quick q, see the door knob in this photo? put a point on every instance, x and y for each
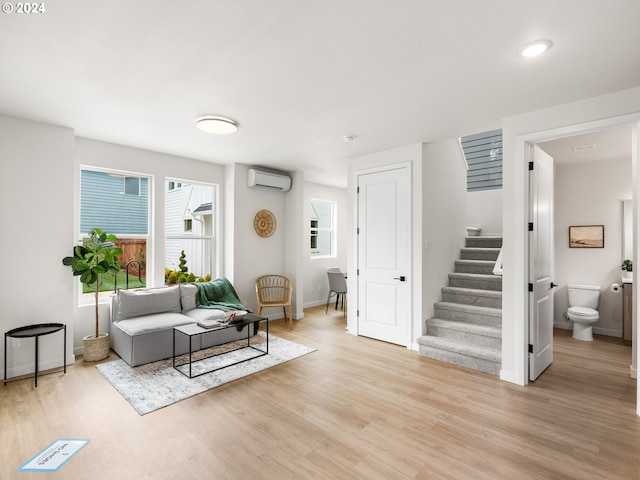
(402, 278)
(553, 285)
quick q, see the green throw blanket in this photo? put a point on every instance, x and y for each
(218, 294)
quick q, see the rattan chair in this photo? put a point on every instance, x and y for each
(275, 291)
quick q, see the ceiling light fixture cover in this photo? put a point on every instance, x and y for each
(216, 125)
(534, 49)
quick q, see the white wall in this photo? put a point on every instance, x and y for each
(254, 255)
(316, 284)
(444, 218)
(484, 209)
(591, 194)
(517, 130)
(37, 180)
(293, 243)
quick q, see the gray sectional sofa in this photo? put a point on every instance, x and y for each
(142, 321)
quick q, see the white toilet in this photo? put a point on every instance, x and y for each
(583, 304)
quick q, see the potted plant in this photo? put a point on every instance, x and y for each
(627, 268)
(90, 261)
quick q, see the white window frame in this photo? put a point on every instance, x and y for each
(89, 298)
(214, 265)
(315, 229)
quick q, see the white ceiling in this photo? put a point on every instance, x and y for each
(609, 144)
(298, 75)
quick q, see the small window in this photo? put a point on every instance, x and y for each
(188, 225)
(322, 229)
(483, 152)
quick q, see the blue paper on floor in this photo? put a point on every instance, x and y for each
(52, 458)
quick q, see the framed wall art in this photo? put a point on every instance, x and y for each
(586, 236)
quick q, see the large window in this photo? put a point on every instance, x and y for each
(322, 228)
(118, 203)
(189, 229)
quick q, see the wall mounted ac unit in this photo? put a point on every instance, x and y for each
(266, 178)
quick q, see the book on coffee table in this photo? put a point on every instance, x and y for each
(211, 323)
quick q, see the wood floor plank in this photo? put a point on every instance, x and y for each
(354, 409)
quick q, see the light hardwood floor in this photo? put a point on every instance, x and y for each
(354, 409)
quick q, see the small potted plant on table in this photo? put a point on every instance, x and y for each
(90, 261)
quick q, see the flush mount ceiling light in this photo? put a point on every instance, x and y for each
(534, 49)
(216, 125)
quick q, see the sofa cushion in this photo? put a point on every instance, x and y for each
(153, 323)
(188, 296)
(135, 303)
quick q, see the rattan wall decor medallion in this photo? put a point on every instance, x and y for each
(264, 223)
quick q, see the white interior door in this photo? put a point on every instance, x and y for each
(541, 257)
(384, 246)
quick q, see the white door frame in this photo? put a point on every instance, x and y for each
(523, 157)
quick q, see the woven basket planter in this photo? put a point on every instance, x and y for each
(96, 349)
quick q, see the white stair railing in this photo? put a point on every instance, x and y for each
(497, 268)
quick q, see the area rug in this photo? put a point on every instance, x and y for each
(156, 385)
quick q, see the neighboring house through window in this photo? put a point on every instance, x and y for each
(189, 226)
(117, 203)
(483, 152)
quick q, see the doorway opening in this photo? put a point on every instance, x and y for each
(592, 181)
(524, 144)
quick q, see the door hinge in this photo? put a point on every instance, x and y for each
(357, 230)
(357, 313)
(530, 165)
(530, 226)
(357, 189)
(530, 348)
(531, 287)
(357, 272)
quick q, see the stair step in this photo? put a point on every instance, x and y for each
(484, 241)
(463, 332)
(476, 253)
(475, 281)
(484, 267)
(468, 313)
(472, 296)
(483, 359)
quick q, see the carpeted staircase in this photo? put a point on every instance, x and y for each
(466, 329)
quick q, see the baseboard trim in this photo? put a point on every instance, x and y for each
(508, 376)
(29, 368)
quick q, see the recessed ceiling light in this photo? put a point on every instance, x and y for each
(534, 49)
(216, 125)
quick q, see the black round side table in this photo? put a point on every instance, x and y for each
(35, 331)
